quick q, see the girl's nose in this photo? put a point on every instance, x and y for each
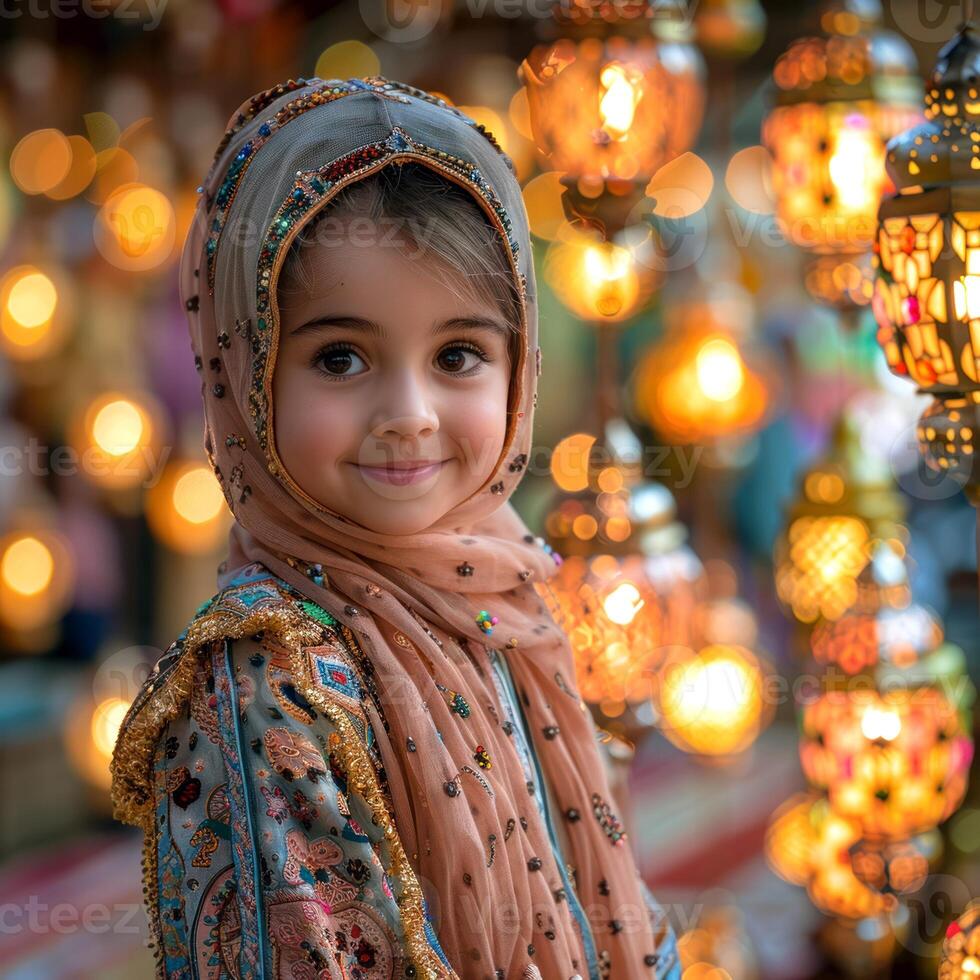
(406, 411)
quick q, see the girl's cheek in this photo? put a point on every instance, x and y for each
(478, 423)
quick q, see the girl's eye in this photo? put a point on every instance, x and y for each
(460, 358)
(339, 361)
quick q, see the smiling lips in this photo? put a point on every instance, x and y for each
(405, 472)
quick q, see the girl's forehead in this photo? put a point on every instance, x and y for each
(380, 284)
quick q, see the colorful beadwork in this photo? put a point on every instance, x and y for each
(322, 94)
(315, 612)
(609, 822)
(486, 622)
(482, 758)
(548, 550)
(456, 701)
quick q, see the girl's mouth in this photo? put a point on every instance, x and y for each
(402, 474)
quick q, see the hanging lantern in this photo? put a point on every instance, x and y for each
(893, 759)
(927, 293)
(613, 101)
(961, 947)
(840, 96)
(807, 844)
(859, 641)
(628, 585)
(844, 545)
(701, 382)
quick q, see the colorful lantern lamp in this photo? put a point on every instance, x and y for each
(893, 758)
(840, 96)
(807, 844)
(844, 545)
(628, 587)
(961, 947)
(612, 102)
(927, 293)
(700, 384)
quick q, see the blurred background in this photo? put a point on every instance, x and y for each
(770, 562)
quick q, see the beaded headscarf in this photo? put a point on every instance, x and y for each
(421, 607)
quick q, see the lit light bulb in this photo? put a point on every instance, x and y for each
(719, 369)
(623, 603)
(617, 104)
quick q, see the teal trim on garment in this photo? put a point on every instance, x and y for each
(249, 816)
(503, 671)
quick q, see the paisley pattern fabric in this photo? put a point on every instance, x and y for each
(265, 856)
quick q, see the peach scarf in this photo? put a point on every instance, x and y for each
(474, 835)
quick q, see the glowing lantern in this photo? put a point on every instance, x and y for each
(807, 844)
(894, 761)
(699, 383)
(598, 280)
(843, 547)
(840, 97)
(712, 702)
(624, 607)
(927, 300)
(186, 509)
(961, 947)
(609, 111)
(628, 585)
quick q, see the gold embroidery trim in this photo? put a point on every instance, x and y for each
(132, 761)
(362, 779)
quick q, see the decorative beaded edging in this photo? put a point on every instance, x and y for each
(278, 613)
(256, 104)
(324, 93)
(311, 190)
(225, 195)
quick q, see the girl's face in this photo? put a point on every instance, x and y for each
(390, 391)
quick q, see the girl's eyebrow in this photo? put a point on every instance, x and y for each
(376, 330)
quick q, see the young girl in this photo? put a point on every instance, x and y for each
(366, 755)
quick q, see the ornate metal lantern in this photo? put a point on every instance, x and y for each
(844, 544)
(613, 101)
(927, 293)
(840, 96)
(629, 585)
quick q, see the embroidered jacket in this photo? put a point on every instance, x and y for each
(270, 848)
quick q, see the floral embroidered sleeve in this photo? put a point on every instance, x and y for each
(266, 866)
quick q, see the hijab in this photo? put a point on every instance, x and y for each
(473, 834)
